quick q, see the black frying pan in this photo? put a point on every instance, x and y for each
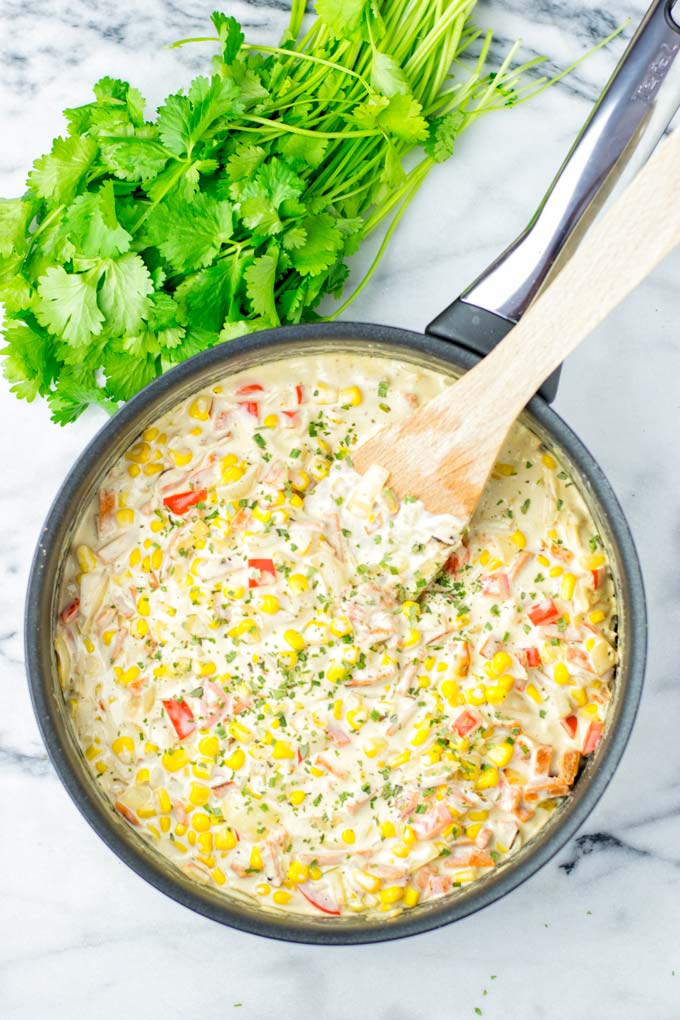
(627, 116)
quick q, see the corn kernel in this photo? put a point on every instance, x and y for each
(165, 824)
(411, 896)
(87, 561)
(500, 663)
(549, 461)
(597, 617)
(123, 746)
(218, 876)
(296, 797)
(282, 897)
(392, 894)
(240, 732)
(199, 409)
(164, 802)
(423, 682)
(374, 746)
(543, 560)
(127, 676)
(269, 604)
(387, 830)
(401, 759)
(421, 735)
(401, 850)
(300, 480)
(340, 626)
(236, 760)
(262, 889)
(594, 562)
(270, 421)
(199, 794)
(205, 841)
(139, 453)
(568, 585)
(125, 517)
(92, 752)
(256, 859)
(450, 691)
(484, 557)
(556, 571)
(224, 838)
(150, 434)
(579, 696)
(297, 872)
(108, 636)
(561, 673)
(174, 760)
(519, 539)
(505, 470)
(282, 750)
(412, 639)
(143, 607)
(295, 639)
(472, 831)
(533, 693)
(500, 755)
(140, 628)
(202, 769)
(408, 835)
(487, 779)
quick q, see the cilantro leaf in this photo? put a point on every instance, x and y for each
(403, 119)
(134, 158)
(15, 217)
(91, 225)
(183, 120)
(67, 305)
(321, 246)
(262, 197)
(123, 293)
(230, 34)
(209, 296)
(125, 376)
(189, 234)
(260, 278)
(442, 135)
(29, 365)
(387, 75)
(342, 17)
(58, 175)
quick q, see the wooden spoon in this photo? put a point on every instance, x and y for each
(444, 452)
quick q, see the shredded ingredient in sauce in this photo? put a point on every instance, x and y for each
(274, 684)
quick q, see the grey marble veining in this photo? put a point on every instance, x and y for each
(597, 931)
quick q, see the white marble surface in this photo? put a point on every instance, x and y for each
(597, 931)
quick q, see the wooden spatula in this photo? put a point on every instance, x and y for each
(444, 452)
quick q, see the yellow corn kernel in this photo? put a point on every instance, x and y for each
(246, 626)
(231, 474)
(202, 769)
(135, 557)
(594, 562)
(89, 645)
(240, 732)
(487, 779)
(140, 628)
(164, 802)
(319, 468)
(270, 421)
(484, 557)
(579, 696)
(256, 859)
(298, 583)
(337, 709)
(101, 767)
(590, 711)
(262, 515)
(450, 691)
(568, 585)
(408, 835)
(165, 824)
(282, 750)
(297, 872)
(500, 663)
(269, 604)
(134, 470)
(87, 561)
(371, 883)
(175, 759)
(556, 571)
(412, 639)
(475, 696)
(288, 660)
(423, 682)
(281, 897)
(205, 841)
(350, 397)
(108, 636)
(143, 776)
(295, 639)
(199, 794)
(533, 692)
(500, 755)
(401, 850)
(92, 752)
(296, 797)
(552, 534)
(139, 453)
(392, 894)
(125, 517)
(150, 748)
(123, 746)
(356, 717)
(506, 470)
(561, 674)
(199, 409)
(519, 539)
(543, 560)
(340, 626)
(236, 760)
(126, 676)
(374, 746)
(156, 558)
(549, 461)
(262, 889)
(200, 821)
(300, 480)
(411, 896)
(472, 831)
(350, 655)
(387, 830)
(218, 876)
(478, 815)
(150, 434)
(143, 607)
(421, 735)
(401, 759)
(209, 746)
(224, 838)
(596, 617)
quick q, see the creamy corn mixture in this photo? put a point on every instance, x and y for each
(273, 683)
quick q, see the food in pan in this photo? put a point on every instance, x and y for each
(276, 684)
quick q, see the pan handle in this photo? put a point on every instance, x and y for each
(627, 121)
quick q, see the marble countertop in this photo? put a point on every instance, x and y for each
(598, 929)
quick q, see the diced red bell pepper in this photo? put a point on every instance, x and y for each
(496, 584)
(534, 657)
(180, 502)
(245, 391)
(290, 414)
(319, 898)
(266, 573)
(181, 717)
(298, 394)
(543, 612)
(570, 725)
(598, 577)
(592, 738)
(70, 611)
(252, 407)
(466, 722)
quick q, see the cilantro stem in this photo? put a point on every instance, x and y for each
(296, 55)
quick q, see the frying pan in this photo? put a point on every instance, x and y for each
(632, 112)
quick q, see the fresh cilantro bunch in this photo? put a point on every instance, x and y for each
(141, 242)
